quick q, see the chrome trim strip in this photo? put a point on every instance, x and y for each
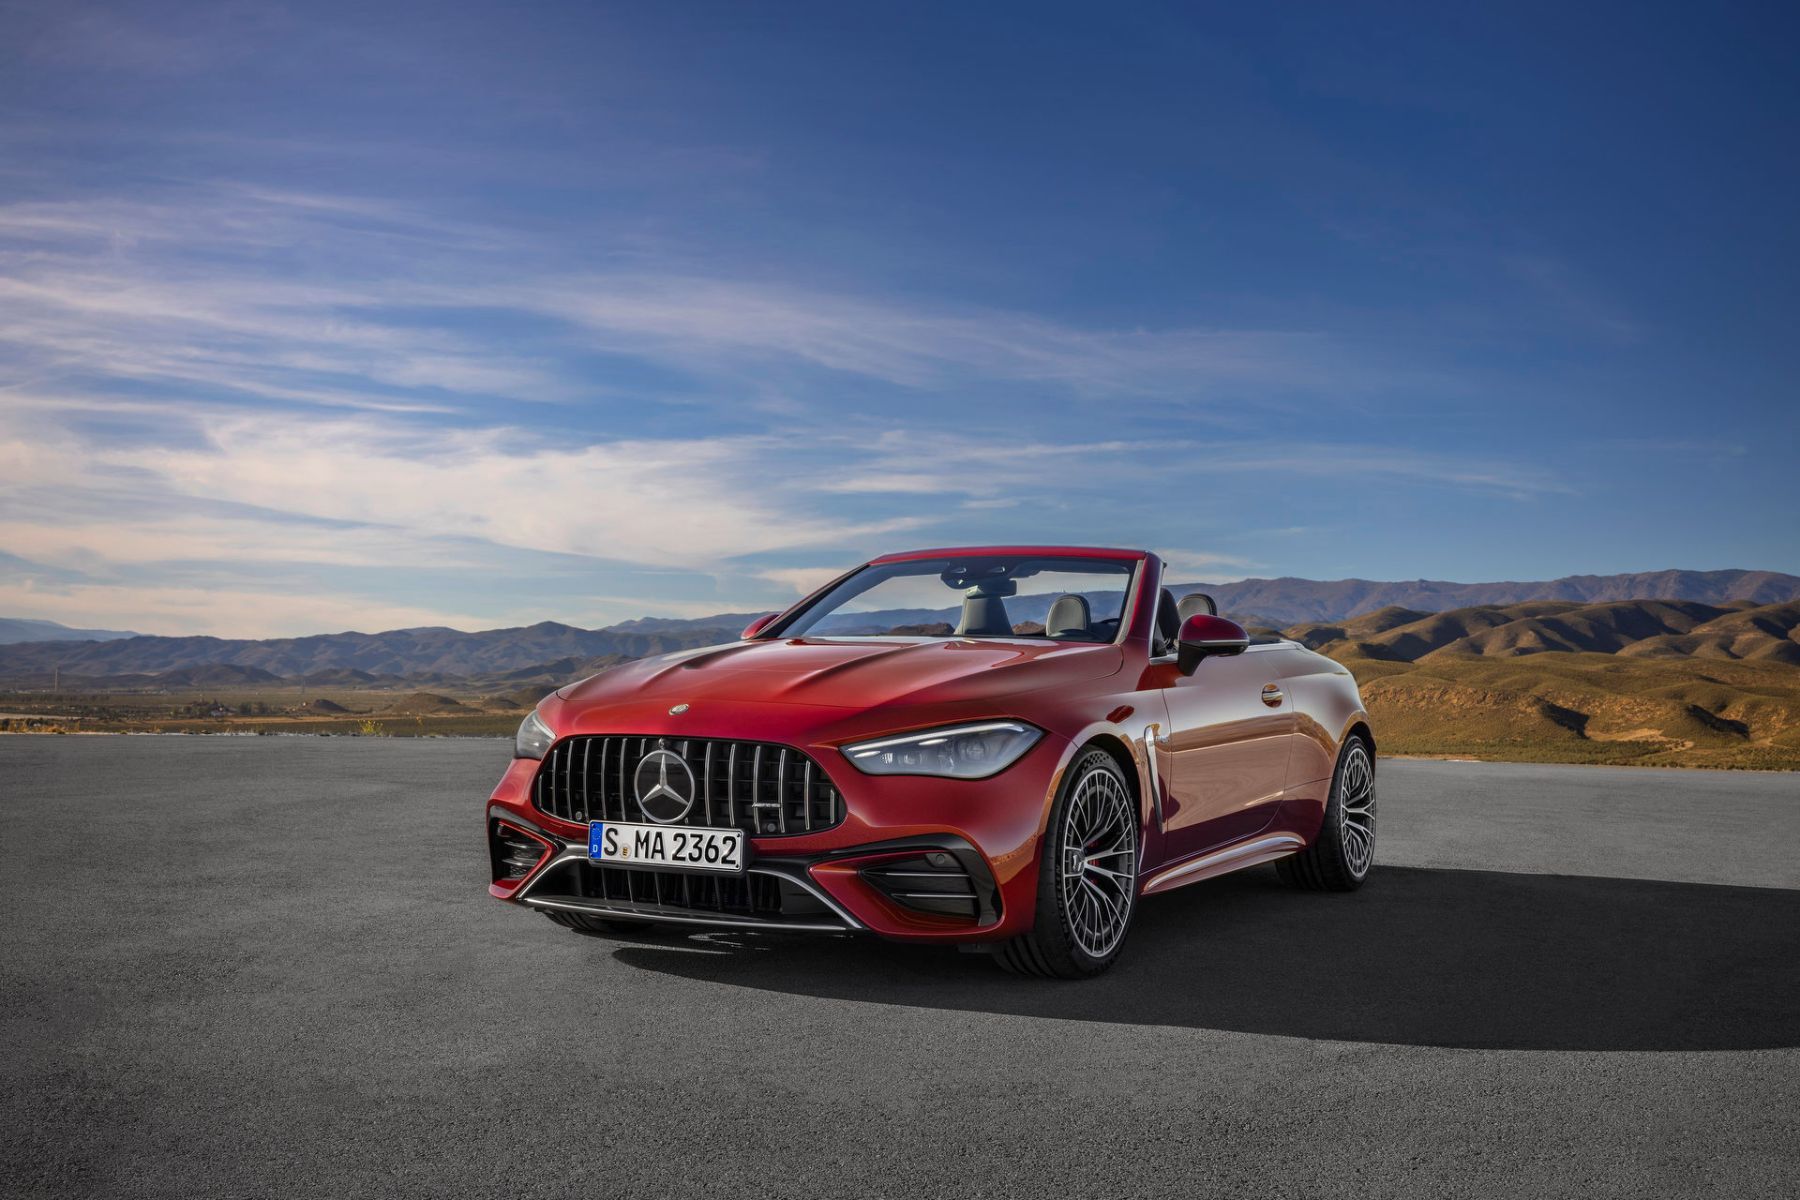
(598, 908)
(1230, 854)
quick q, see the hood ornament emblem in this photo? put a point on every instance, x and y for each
(665, 786)
(678, 710)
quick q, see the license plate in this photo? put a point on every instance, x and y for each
(666, 846)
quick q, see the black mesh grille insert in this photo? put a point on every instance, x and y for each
(750, 895)
(759, 787)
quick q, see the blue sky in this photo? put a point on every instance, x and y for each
(317, 317)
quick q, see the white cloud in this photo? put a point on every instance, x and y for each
(803, 580)
(1194, 565)
(690, 503)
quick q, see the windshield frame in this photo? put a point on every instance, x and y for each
(1127, 607)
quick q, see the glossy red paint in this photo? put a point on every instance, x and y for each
(1221, 778)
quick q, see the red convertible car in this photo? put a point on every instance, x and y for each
(1001, 747)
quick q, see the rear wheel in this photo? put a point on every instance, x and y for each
(598, 926)
(1087, 876)
(1340, 857)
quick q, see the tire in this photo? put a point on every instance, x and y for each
(1339, 859)
(598, 926)
(1083, 917)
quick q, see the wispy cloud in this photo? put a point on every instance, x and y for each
(185, 402)
(181, 290)
(1205, 565)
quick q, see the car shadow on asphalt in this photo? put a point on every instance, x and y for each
(1475, 959)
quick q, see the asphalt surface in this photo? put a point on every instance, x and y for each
(270, 967)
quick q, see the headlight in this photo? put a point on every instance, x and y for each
(534, 737)
(958, 752)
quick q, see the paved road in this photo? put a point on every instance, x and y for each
(269, 967)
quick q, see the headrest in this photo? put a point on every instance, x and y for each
(1197, 604)
(1068, 617)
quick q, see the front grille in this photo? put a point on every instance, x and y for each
(751, 895)
(759, 787)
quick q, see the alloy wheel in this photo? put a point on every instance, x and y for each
(1356, 804)
(1097, 866)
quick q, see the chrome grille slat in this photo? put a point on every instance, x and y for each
(783, 791)
(731, 787)
(587, 754)
(706, 787)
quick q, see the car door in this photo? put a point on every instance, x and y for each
(1226, 751)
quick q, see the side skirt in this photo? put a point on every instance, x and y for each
(1263, 848)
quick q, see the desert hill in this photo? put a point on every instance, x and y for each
(423, 702)
(1670, 683)
(1295, 601)
(324, 658)
(1646, 628)
(1770, 632)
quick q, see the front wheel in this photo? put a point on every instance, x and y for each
(1340, 857)
(1087, 876)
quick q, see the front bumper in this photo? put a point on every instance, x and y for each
(915, 859)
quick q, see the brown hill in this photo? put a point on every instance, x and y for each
(1415, 639)
(324, 707)
(518, 699)
(1595, 628)
(1669, 628)
(1356, 629)
(422, 703)
(1291, 601)
(1769, 632)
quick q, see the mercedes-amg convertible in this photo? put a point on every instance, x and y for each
(1002, 747)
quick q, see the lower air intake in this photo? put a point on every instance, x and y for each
(935, 882)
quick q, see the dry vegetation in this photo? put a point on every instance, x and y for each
(1657, 683)
(272, 708)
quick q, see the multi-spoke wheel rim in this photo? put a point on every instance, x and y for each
(1357, 807)
(1097, 867)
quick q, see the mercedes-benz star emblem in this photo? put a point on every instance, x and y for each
(665, 786)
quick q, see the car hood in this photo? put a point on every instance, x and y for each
(847, 673)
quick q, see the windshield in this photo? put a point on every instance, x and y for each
(1060, 599)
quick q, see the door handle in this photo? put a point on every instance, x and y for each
(1271, 695)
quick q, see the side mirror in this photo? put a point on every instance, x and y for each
(757, 626)
(1203, 636)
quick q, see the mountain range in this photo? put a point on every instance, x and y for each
(21, 629)
(1283, 602)
(349, 658)
(1740, 631)
(1722, 614)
